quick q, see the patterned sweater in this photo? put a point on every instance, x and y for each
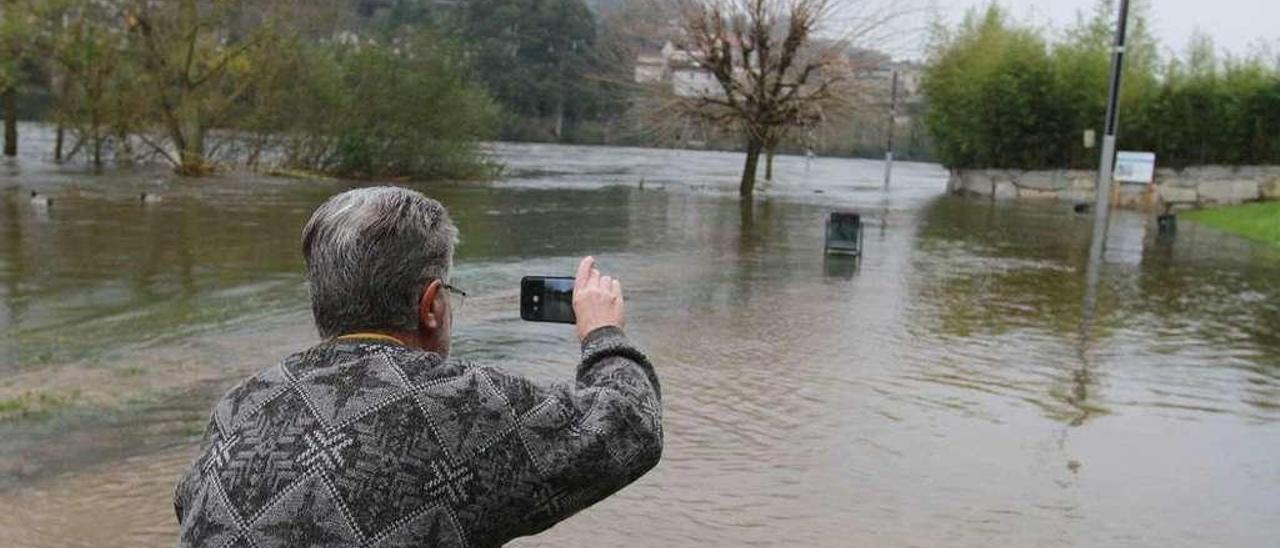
(363, 443)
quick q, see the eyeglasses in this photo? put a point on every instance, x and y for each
(458, 296)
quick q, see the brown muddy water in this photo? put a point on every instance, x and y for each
(938, 393)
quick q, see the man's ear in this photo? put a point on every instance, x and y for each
(431, 308)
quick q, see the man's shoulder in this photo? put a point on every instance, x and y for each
(336, 379)
(341, 382)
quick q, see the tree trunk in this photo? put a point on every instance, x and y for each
(191, 160)
(187, 121)
(60, 81)
(97, 153)
(559, 129)
(560, 99)
(10, 98)
(124, 156)
(189, 140)
(748, 185)
(179, 143)
(195, 148)
(95, 135)
(57, 143)
(768, 164)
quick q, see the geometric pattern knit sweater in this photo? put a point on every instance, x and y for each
(365, 443)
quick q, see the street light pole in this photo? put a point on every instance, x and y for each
(1102, 210)
(1082, 378)
(893, 121)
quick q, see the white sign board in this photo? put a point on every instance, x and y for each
(1135, 167)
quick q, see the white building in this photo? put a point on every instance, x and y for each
(677, 68)
(694, 82)
(651, 67)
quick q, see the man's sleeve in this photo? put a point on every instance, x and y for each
(191, 478)
(593, 438)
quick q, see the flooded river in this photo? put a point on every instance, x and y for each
(940, 391)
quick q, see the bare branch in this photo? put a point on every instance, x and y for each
(159, 149)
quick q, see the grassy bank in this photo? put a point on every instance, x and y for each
(1257, 221)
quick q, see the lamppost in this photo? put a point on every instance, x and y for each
(1102, 210)
(893, 121)
(1082, 378)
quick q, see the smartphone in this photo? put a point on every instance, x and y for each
(547, 299)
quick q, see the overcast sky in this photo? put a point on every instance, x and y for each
(1235, 25)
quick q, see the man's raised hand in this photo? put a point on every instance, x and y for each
(597, 299)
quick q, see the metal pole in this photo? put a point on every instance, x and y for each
(893, 121)
(1102, 211)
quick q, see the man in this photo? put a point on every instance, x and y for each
(374, 438)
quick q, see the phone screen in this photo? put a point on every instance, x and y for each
(547, 299)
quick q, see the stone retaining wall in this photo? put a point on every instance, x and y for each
(1191, 187)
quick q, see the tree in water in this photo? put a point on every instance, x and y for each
(772, 73)
(84, 60)
(189, 51)
(15, 37)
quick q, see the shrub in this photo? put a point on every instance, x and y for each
(403, 107)
(1000, 96)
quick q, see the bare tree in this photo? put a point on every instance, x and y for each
(774, 68)
(769, 75)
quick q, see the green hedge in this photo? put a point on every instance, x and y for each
(1002, 96)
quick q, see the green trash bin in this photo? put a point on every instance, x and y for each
(844, 234)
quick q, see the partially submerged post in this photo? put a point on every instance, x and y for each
(1082, 377)
(1167, 223)
(1102, 213)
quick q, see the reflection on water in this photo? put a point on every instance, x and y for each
(935, 391)
(840, 266)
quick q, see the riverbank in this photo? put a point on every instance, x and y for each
(1255, 221)
(1193, 187)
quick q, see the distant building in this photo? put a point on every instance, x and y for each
(875, 68)
(909, 76)
(675, 67)
(869, 131)
(651, 67)
(862, 131)
(694, 82)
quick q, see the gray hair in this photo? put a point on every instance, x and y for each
(369, 254)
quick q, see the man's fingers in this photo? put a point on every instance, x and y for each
(597, 299)
(588, 276)
(585, 268)
(593, 277)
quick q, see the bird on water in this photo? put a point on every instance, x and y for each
(40, 200)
